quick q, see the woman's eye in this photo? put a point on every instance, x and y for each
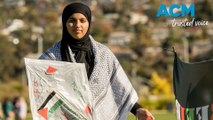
(71, 20)
(83, 20)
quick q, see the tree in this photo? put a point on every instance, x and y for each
(101, 29)
(161, 86)
(204, 10)
(9, 63)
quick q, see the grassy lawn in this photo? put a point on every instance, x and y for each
(159, 115)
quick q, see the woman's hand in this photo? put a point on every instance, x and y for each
(144, 114)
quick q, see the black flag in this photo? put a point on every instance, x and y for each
(193, 89)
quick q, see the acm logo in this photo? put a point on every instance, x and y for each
(184, 10)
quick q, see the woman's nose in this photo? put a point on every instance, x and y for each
(78, 24)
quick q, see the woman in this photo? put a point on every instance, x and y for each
(112, 93)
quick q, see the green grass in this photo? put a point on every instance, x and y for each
(159, 115)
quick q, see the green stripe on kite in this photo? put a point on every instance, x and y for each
(55, 107)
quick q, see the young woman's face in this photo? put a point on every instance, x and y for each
(77, 25)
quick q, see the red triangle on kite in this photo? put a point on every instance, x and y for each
(88, 110)
(50, 70)
(43, 113)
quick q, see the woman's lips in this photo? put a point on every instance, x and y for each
(77, 31)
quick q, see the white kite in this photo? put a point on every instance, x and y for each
(58, 90)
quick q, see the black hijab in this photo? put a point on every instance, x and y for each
(81, 48)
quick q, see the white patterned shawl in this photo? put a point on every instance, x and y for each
(112, 93)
